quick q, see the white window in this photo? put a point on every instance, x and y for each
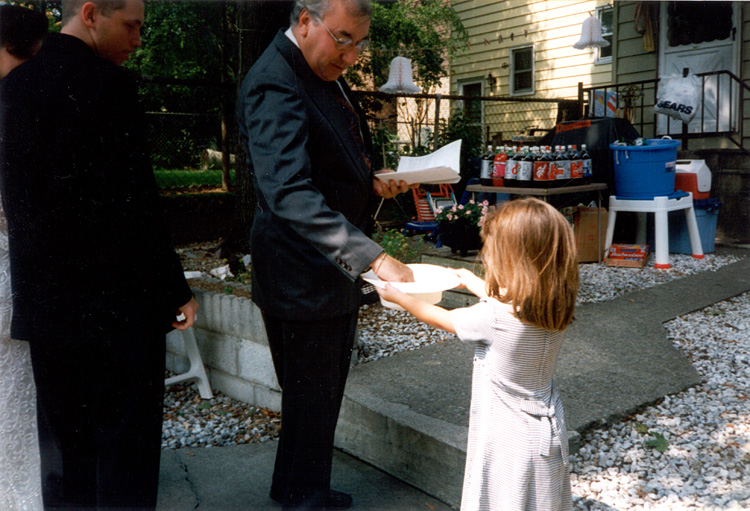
(522, 70)
(606, 17)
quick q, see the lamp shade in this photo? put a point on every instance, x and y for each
(399, 77)
(591, 35)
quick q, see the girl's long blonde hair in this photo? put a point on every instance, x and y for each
(530, 258)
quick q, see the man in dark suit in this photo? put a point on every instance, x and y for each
(96, 282)
(309, 153)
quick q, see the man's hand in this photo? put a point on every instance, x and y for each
(392, 270)
(390, 190)
(187, 312)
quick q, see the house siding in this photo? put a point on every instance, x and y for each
(551, 27)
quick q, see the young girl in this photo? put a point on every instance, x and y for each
(517, 456)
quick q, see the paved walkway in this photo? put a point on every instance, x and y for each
(239, 478)
(616, 360)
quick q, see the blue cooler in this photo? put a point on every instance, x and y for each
(706, 214)
(646, 171)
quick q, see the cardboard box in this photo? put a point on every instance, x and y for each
(585, 221)
(631, 256)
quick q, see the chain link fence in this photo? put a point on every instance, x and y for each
(185, 147)
(416, 124)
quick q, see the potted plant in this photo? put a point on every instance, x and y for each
(458, 226)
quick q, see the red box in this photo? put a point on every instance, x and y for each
(632, 256)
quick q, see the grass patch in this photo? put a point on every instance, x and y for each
(171, 178)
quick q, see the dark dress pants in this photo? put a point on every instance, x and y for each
(99, 404)
(311, 359)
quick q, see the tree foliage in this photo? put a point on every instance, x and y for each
(183, 41)
(426, 31)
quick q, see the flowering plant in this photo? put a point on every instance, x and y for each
(472, 211)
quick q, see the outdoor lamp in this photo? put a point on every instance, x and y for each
(399, 77)
(591, 35)
(491, 81)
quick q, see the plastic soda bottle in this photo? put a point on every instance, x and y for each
(485, 177)
(526, 169)
(576, 164)
(512, 165)
(542, 168)
(498, 171)
(563, 164)
(587, 169)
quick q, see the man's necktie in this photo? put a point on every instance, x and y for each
(353, 118)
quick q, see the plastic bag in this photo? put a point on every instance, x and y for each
(679, 97)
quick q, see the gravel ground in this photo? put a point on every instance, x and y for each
(691, 451)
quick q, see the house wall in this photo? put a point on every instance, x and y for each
(632, 62)
(730, 167)
(552, 27)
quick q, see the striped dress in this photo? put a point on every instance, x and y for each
(517, 456)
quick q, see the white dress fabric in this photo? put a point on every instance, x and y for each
(517, 455)
(20, 479)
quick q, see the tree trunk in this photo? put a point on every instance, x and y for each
(258, 22)
(227, 117)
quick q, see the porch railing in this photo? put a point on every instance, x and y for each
(721, 112)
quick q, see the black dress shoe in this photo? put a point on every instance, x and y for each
(334, 500)
(339, 500)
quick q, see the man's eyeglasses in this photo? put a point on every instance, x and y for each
(345, 44)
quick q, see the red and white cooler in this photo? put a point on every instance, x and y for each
(693, 176)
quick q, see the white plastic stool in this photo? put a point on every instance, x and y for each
(659, 206)
(196, 372)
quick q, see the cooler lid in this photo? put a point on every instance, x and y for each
(699, 168)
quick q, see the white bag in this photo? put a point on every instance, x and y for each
(679, 97)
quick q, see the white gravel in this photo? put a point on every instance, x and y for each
(704, 461)
(689, 452)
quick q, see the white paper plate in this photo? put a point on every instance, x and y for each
(429, 283)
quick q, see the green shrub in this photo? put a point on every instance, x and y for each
(398, 246)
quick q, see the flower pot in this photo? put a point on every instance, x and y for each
(460, 235)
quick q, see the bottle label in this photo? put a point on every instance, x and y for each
(485, 174)
(563, 169)
(586, 168)
(541, 170)
(576, 169)
(511, 171)
(525, 171)
(499, 166)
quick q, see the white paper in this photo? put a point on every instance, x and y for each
(442, 166)
(428, 278)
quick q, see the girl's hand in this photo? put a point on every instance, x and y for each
(473, 283)
(465, 276)
(391, 294)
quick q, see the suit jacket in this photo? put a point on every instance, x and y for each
(89, 250)
(313, 188)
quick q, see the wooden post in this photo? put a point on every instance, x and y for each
(437, 123)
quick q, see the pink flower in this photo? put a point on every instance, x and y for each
(460, 206)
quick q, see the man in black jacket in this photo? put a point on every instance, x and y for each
(309, 149)
(96, 282)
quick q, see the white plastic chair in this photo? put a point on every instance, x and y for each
(660, 206)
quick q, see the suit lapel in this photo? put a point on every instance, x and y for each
(323, 95)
